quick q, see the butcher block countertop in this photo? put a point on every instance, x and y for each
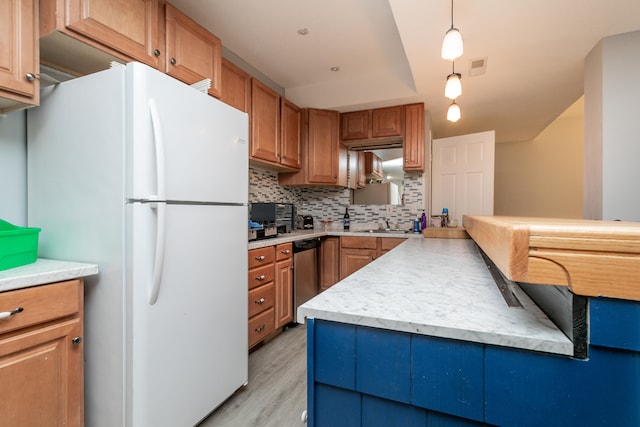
(590, 257)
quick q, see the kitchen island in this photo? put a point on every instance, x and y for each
(422, 336)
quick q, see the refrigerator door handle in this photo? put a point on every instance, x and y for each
(158, 261)
(158, 140)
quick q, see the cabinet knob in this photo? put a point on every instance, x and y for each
(156, 52)
(260, 328)
(261, 277)
(286, 252)
(260, 258)
(76, 340)
(173, 61)
(259, 301)
(31, 77)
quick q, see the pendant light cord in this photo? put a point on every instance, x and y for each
(451, 13)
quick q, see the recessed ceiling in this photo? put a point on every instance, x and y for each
(388, 52)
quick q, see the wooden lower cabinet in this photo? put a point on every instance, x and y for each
(356, 251)
(41, 356)
(329, 262)
(284, 284)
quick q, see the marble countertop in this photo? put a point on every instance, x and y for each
(310, 234)
(43, 271)
(441, 288)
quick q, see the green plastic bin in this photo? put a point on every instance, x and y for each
(18, 245)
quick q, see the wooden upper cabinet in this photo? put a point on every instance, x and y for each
(355, 125)
(128, 27)
(192, 52)
(323, 147)
(413, 144)
(291, 122)
(19, 54)
(265, 123)
(387, 122)
(372, 165)
(235, 86)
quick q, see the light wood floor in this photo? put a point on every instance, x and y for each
(276, 393)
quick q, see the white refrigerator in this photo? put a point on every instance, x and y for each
(147, 177)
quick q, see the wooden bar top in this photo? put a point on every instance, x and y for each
(590, 257)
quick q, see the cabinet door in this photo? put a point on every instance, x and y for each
(41, 377)
(352, 260)
(284, 292)
(329, 262)
(362, 175)
(193, 53)
(127, 26)
(291, 121)
(235, 86)
(265, 123)
(413, 146)
(355, 125)
(323, 147)
(387, 122)
(19, 52)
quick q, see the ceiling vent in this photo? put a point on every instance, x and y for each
(477, 66)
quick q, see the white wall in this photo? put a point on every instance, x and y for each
(612, 129)
(13, 168)
(543, 177)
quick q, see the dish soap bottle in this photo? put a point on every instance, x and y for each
(347, 220)
(423, 220)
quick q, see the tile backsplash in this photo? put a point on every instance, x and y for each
(328, 204)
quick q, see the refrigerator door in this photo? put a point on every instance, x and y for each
(189, 348)
(187, 140)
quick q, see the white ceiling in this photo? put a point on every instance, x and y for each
(388, 52)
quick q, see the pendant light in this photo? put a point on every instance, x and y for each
(452, 44)
(453, 113)
(453, 88)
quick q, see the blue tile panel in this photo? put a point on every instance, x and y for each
(369, 376)
(614, 323)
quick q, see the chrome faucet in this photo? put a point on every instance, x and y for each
(386, 221)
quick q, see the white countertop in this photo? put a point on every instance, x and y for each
(317, 232)
(44, 271)
(441, 288)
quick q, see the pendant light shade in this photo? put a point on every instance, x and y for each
(452, 47)
(453, 113)
(453, 88)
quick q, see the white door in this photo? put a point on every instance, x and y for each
(462, 175)
(188, 349)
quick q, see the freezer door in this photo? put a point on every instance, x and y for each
(188, 350)
(183, 140)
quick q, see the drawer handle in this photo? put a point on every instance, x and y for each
(260, 328)
(260, 258)
(5, 314)
(76, 340)
(259, 301)
(261, 277)
(286, 252)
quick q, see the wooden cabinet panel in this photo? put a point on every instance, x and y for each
(261, 256)
(235, 86)
(372, 165)
(284, 292)
(128, 27)
(261, 299)
(261, 326)
(329, 262)
(387, 122)
(413, 144)
(359, 242)
(265, 123)
(323, 146)
(291, 122)
(41, 356)
(358, 251)
(284, 251)
(192, 53)
(388, 243)
(352, 260)
(355, 125)
(19, 53)
(261, 275)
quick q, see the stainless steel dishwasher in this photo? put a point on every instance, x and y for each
(305, 272)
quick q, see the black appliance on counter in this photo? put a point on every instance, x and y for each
(280, 215)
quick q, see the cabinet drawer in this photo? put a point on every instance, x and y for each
(261, 299)
(284, 251)
(358, 242)
(261, 256)
(40, 304)
(388, 243)
(261, 326)
(261, 276)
